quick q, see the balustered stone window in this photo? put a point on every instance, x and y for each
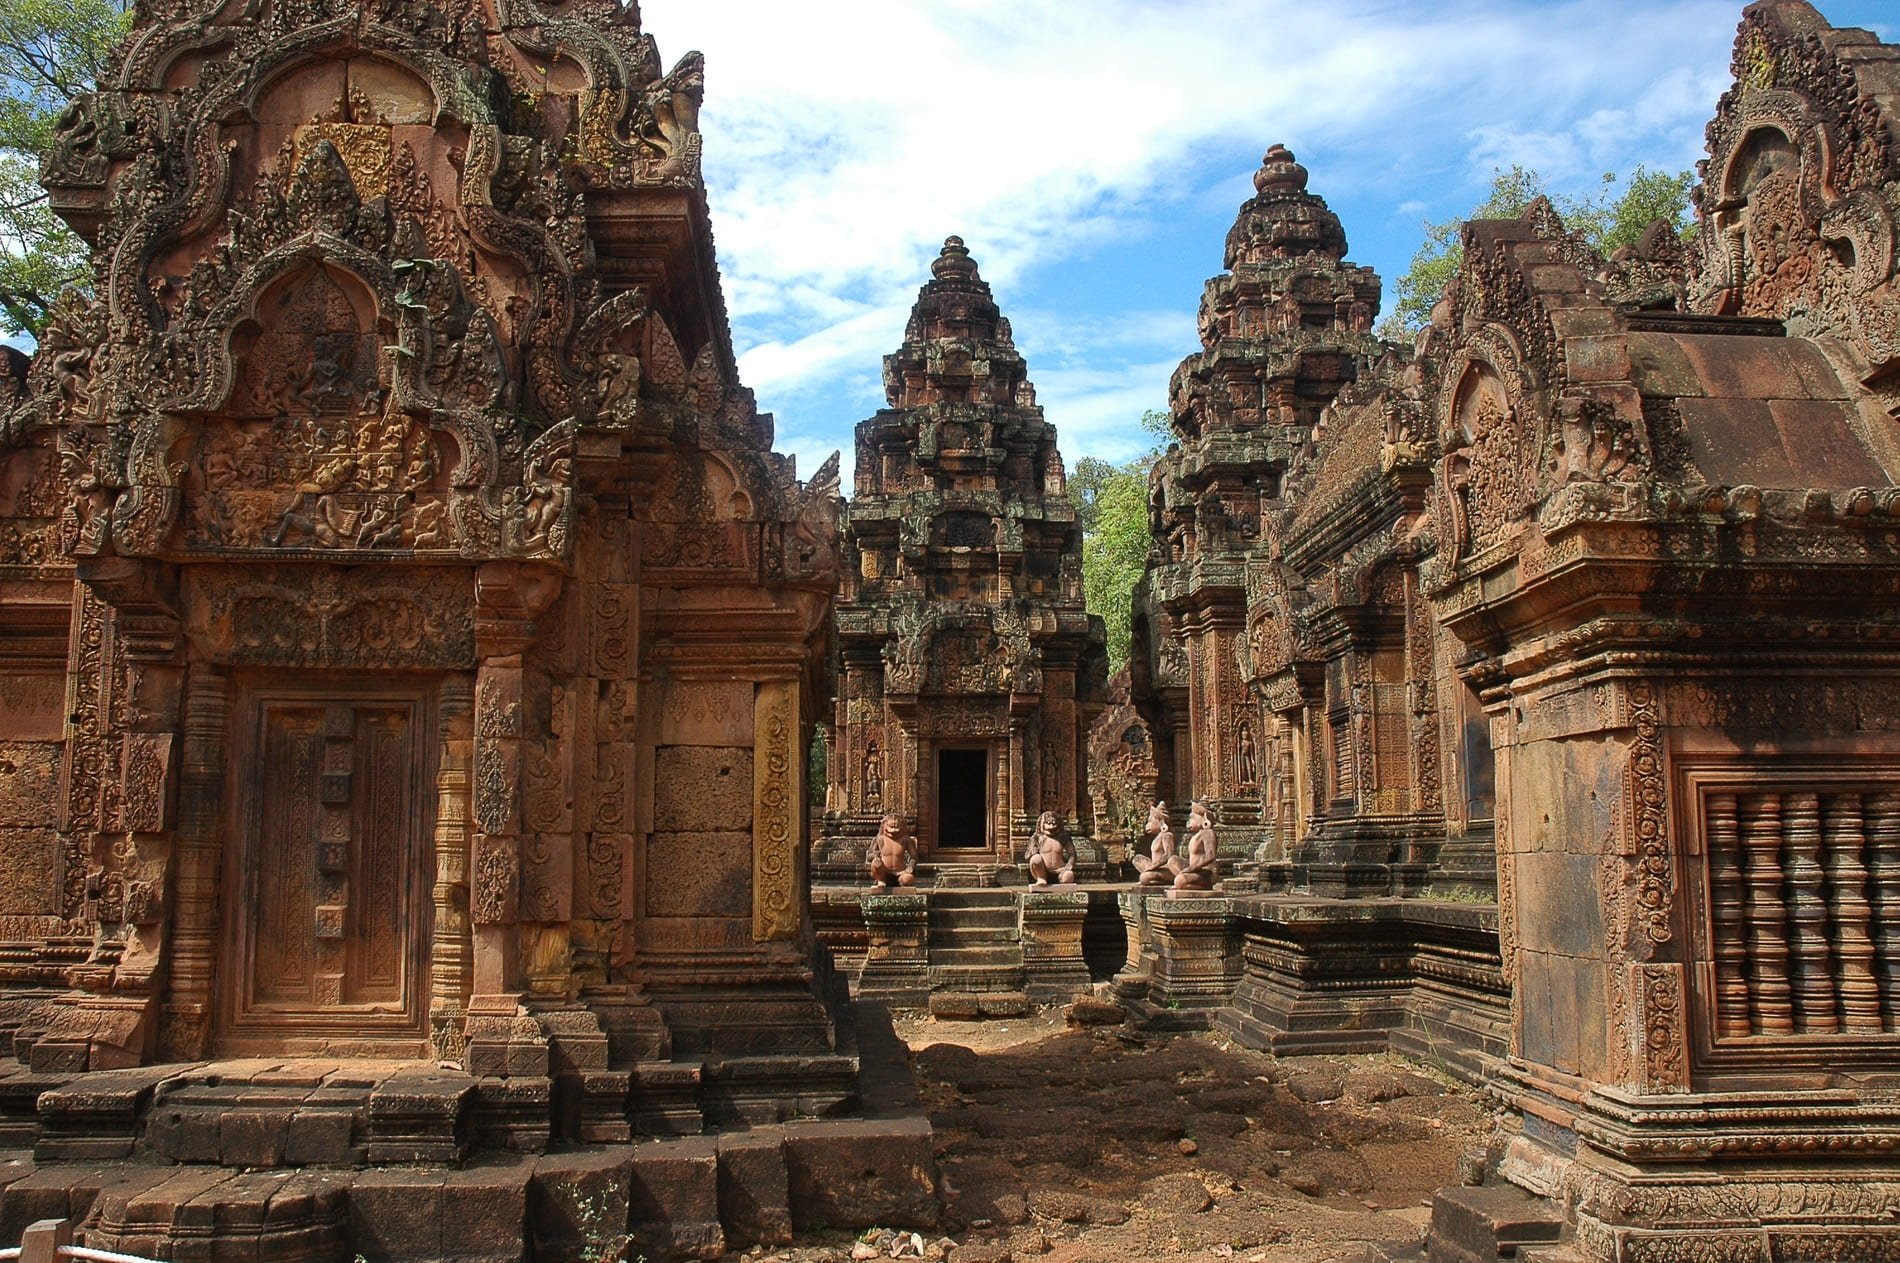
(1796, 903)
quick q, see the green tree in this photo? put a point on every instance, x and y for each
(1608, 220)
(50, 52)
(1111, 503)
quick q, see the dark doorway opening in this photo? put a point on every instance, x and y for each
(963, 794)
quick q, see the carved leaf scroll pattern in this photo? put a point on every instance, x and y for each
(776, 803)
(1648, 794)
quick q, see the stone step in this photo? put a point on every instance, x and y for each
(208, 1213)
(975, 918)
(987, 939)
(972, 899)
(1563, 1252)
(978, 978)
(1489, 1223)
(970, 1006)
(977, 956)
(955, 925)
(968, 877)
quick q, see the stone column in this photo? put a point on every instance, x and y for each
(502, 1041)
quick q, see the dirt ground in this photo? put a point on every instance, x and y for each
(1060, 1144)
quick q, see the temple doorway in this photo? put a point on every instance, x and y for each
(327, 909)
(963, 798)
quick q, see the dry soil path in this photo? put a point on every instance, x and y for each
(1061, 1144)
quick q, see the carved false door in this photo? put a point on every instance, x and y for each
(327, 880)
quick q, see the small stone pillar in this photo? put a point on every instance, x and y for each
(1197, 962)
(896, 953)
(1131, 983)
(1052, 944)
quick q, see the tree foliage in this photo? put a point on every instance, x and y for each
(1111, 503)
(1608, 219)
(50, 52)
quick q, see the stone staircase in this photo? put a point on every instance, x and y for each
(976, 954)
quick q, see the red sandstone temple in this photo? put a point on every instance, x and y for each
(410, 647)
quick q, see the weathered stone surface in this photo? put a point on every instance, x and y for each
(1088, 1010)
(674, 1199)
(754, 1199)
(1182, 1194)
(578, 1203)
(697, 784)
(1068, 1207)
(855, 1175)
(700, 874)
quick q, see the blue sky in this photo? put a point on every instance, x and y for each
(1093, 155)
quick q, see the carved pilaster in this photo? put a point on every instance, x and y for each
(451, 952)
(186, 1028)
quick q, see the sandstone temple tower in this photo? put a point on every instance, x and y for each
(1282, 330)
(410, 639)
(970, 671)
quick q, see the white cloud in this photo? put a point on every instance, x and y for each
(844, 141)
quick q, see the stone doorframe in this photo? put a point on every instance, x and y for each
(932, 814)
(190, 1022)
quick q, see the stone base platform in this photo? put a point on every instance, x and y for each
(971, 950)
(1416, 976)
(688, 1197)
(286, 1161)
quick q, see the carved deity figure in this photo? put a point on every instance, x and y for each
(890, 858)
(1157, 867)
(89, 512)
(1196, 873)
(1050, 857)
(873, 777)
(1051, 773)
(1246, 761)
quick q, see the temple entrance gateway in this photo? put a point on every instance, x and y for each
(326, 871)
(963, 795)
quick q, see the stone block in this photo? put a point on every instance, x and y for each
(29, 884)
(321, 1136)
(700, 874)
(754, 1193)
(253, 1137)
(856, 1174)
(708, 713)
(665, 1099)
(396, 1214)
(701, 787)
(512, 1114)
(182, 1135)
(1470, 1225)
(578, 1203)
(484, 1213)
(674, 1203)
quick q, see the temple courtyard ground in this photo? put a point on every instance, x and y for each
(1064, 1143)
